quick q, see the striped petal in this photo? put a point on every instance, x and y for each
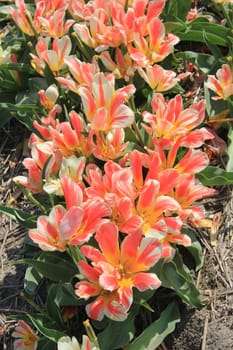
(144, 281)
(107, 238)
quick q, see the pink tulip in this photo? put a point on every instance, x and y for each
(26, 339)
(223, 84)
(109, 145)
(158, 78)
(49, 96)
(104, 106)
(54, 57)
(170, 122)
(23, 18)
(55, 25)
(72, 226)
(153, 48)
(115, 271)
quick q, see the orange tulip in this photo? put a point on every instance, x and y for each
(223, 84)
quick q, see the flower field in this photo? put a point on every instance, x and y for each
(125, 108)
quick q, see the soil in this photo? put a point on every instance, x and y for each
(208, 328)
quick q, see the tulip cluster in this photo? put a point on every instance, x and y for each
(120, 166)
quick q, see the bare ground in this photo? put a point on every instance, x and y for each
(209, 328)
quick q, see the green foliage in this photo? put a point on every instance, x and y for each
(215, 176)
(109, 338)
(205, 45)
(229, 166)
(48, 264)
(200, 30)
(155, 334)
(195, 248)
(175, 275)
(23, 218)
(53, 307)
(46, 326)
(32, 280)
(176, 9)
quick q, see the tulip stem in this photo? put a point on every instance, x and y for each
(91, 334)
(31, 302)
(81, 47)
(226, 14)
(32, 199)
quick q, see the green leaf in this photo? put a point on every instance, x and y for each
(53, 307)
(65, 295)
(25, 219)
(130, 136)
(46, 327)
(45, 344)
(155, 334)
(52, 266)
(214, 176)
(229, 166)
(176, 276)
(195, 248)
(201, 30)
(4, 10)
(110, 339)
(177, 9)
(22, 67)
(20, 107)
(32, 279)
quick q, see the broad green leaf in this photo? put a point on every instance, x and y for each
(32, 280)
(155, 334)
(26, 119)
(176, 276)
(141, 298)
(27, 97)
(214, 176)
(130, 136)
(25, 219)
(53, 308)
(110, 339)
(46, 326)
(215, 50)
(52, 266)
(46, 344)
(20, 107)
(65, 295)
(4, 10)
(201, 35)
(195, 248)
(229, 166)
(9, 84)
(201, 30)
(22, 67)
(176, 9)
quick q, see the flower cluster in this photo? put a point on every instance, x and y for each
(121, 170)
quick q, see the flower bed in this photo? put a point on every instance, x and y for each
(121, 154)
